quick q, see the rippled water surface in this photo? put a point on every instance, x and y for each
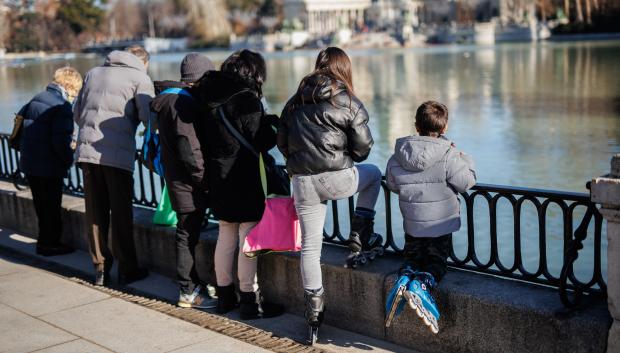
(535, 115)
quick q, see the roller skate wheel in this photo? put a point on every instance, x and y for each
(314, 331)
(371, 256)
(419, 312)
(363, 260)
(427, 322)
(417, 300)
(380, 252)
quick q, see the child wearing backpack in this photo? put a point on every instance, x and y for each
(427, 172)
(180, 121)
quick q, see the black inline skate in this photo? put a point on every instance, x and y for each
(363, 242)
(315, 308)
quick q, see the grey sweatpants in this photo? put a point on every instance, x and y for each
(310, 193)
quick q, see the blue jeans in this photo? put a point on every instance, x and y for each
(310, 193)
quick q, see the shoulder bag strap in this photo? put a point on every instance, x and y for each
(222, 116)
(235, 132)
(261, 164)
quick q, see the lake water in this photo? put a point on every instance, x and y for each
(537, 115)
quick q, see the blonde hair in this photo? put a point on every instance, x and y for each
(70, 79)
(140, 52)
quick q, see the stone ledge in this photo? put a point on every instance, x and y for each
(606, 191)
(479, 313)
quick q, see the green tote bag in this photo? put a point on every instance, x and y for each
(165, 215)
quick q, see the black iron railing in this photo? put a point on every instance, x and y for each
(148, 188)
(568, 202)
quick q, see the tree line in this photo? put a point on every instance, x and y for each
(60, 25)
(580, 16)
(57, 25)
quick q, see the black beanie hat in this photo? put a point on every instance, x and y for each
(193, 66)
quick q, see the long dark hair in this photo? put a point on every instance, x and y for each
(332, 64)
(249, 65)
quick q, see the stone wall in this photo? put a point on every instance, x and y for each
(480, 313)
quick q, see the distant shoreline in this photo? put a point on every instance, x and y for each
(577, 37)
(43, 55)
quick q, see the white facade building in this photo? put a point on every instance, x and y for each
(326, 16)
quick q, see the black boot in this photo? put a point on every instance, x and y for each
(226, 299)
(253, 306)
(363, 242)
(315, 309)
(363, 236)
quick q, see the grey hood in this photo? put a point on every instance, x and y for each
(428, 173)
(124, 59)
(418, 153)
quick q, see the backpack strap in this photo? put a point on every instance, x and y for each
(171, 90)
(177, 90)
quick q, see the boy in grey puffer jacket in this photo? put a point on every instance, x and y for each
(427, 172)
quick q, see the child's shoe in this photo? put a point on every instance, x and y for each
(196, 299)
(420, 299)
(395, 303)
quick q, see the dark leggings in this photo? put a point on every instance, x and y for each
(428, 254)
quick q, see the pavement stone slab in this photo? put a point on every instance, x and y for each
(22, 333)
(124, 327)
(77, 346)
(330, 339)
(38, 293)
(12, 266)
(222, 344)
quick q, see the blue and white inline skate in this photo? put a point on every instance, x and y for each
(363, 242)
(420, 299)
(396, 298)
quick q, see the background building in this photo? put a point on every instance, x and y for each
(326, 16)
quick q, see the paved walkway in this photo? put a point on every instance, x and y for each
(43, 312)
(48, 311)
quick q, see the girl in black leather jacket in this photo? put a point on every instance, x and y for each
(323, 131)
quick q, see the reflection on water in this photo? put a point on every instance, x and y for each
(537, 115)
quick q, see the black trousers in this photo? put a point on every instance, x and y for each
(108, 195)
(428, 254)
(47, 198)
(187, 236)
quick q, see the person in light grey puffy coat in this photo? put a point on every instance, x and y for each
(427, 172)
(113, 101)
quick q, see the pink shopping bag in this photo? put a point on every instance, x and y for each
(278, 230)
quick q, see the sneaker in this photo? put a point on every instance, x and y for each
(420, 299)
(54, 250)
(197, 300)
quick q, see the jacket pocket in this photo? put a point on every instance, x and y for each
(337, 185)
